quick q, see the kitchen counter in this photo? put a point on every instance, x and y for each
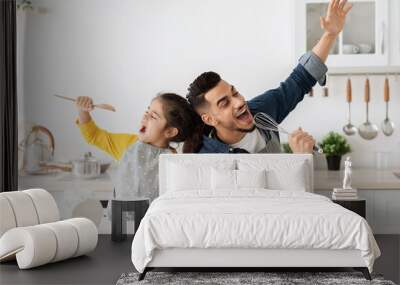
(362, 179)
(60, 181)
(74, 196)
(380, 188)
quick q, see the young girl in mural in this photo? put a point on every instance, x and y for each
(169, 118)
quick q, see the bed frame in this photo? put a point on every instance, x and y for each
(237, 259)
(240, 260)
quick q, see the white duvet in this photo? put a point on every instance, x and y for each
(254, 218)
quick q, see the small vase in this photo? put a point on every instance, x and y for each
(333, 162)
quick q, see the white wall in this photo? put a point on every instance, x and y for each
(123, 52)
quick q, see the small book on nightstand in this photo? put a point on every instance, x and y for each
(344, 194)
(347, 192)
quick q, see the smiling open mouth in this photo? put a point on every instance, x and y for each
(142, 129)
(245, 116)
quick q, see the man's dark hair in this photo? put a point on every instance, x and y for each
(201, 85)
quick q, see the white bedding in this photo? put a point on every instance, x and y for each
(251, 218)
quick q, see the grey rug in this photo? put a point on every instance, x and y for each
(269, 278)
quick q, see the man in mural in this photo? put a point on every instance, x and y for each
(229, 118)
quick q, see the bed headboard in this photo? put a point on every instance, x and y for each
(214, 159)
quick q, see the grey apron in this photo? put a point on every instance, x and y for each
(135, 176)
(273, 144)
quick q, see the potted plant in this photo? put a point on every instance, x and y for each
(334, 146)
(286, 148)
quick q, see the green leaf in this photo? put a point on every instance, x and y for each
(335, 144)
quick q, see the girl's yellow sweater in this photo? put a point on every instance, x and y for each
(115, 144)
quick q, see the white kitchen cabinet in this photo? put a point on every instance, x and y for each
(364, 41)
(394, 58)
(382, 209)
(75, 197)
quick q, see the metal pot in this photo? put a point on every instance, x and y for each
(86, 167)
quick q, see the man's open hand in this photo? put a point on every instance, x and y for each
(333, 22)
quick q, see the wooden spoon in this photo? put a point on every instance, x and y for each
(107, 107)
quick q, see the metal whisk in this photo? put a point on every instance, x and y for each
(265, 122)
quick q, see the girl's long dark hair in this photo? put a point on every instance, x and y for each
(180, 114)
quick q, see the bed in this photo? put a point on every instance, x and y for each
(247, 211)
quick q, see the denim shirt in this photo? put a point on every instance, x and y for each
(279, 102)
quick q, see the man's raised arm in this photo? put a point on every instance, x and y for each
(281, 101)
(332, 24)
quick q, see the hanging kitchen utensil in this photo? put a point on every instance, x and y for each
(349, 129)
(367, 130)
(107, 107)
(36, 150)
(387, 124)
(266, 122)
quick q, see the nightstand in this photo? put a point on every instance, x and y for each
(358, 206)
(119, 220)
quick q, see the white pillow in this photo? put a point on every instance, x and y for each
(251, 178)
(223, 179)
(184, 176)
(284, 174)
(227, 179)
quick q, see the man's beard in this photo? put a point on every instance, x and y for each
(246, 130)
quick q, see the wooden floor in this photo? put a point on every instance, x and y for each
(110, 260)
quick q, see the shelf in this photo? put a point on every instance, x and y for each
(362, 71)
